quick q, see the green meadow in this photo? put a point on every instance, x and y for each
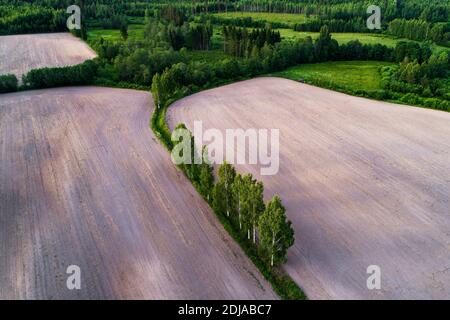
(135, 32)
(288, 18)
(365, 38)
(355, 75)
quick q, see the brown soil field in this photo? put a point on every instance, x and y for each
(84, 182)
(364, 182)
(22, 53)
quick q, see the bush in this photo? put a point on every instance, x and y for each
(81, 74)
(8, 83)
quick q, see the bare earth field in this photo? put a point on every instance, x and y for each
(364, 183)
(22, 53)
(84, 182)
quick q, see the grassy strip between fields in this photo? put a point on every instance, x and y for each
(281, 282)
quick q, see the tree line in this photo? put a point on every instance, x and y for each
(81, 74)
(240, 199)
(247, 22)
(186, 77)
(432, 10)
(197, 37)
(240, 42)
(31, 19)
(420, 30)
(335, 25)
(420, 81)
(49, 15)
(8, 83)
(172, 73)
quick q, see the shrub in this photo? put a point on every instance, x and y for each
(8, 83)
(81, 74)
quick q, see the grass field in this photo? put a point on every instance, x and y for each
(342, 37)
(355, 75)
(366, 38)
(135, 32)
(288, 18)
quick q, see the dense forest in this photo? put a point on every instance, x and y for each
(171, 33)
(340, 15)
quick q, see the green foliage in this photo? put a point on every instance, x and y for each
(325, 48)
(416, 29)
(255, 19)
(206, 180)
(282, 284)
(197, 37)
(354, 75)
(8, 83)
(234, 196)
(240, 42)
(223, 190)
(30, 18)
(255, 204)
(276, 233)
(135, 33)
(412, 51)
(81, 74)
(355, 50)
(124, 31)
(414, 72)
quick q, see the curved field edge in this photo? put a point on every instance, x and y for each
(101, 192)
(357, 78)
(41, 50)
(281, 282)
(334, 144)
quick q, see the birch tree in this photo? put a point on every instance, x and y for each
(206, 180)
(246, 203)
(226, 178)
(223, 193)
(275, 231)
(238, 195)
(257, 206)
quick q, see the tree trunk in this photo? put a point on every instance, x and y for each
(239, 210)
(273, 246)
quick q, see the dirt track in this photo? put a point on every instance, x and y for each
(364, 182)
(83, 181)
(22, 53)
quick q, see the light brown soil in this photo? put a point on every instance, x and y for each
(83, 181)
(364, 182)
(22, 53)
